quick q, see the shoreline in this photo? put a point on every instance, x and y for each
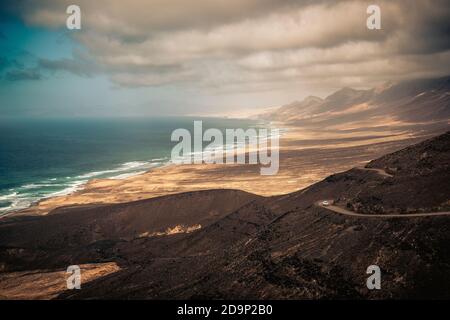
(301, 165)
(79, 182)
(31, 191)
(77, 187)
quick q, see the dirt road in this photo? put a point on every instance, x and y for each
(346, 212)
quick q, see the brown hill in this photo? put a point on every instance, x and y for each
(255, 247)
(419, 182)
(81, 234)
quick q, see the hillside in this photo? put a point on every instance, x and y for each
(250, 246)
(419, 183)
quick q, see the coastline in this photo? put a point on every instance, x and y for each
(305, 159)
(101, 149)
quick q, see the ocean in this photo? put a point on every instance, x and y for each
(41, 158)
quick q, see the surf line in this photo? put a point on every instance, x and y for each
(238, 144)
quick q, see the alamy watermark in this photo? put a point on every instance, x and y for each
(240, 146)
(373, 22)
(73, 21)
(374, 280)
(74, 280)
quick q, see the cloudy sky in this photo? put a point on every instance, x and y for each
(158, 57)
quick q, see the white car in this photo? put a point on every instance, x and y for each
(325, 203)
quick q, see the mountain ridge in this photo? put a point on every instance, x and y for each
(404, 102)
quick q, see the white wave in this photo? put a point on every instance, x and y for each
(8, 196)
(123, 167)
(94, 174)
(133, 164)
(40, 185)
(75, 186)
(24, 196)
(159, 159)
(18, 204)
(19, 201)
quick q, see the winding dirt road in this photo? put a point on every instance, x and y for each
(346, 212)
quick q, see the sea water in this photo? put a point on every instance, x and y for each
(41, 158)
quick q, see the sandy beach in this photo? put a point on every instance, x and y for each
(306, 157)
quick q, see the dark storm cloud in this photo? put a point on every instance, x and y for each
(222, 42)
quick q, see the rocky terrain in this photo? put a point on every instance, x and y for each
(232, 244)
(419, 183)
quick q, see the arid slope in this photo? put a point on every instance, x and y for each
(250, 246)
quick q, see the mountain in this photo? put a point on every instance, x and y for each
(252, 247)
(296, 110)
(407, 102)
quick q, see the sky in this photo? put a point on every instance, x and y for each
(206, 57)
